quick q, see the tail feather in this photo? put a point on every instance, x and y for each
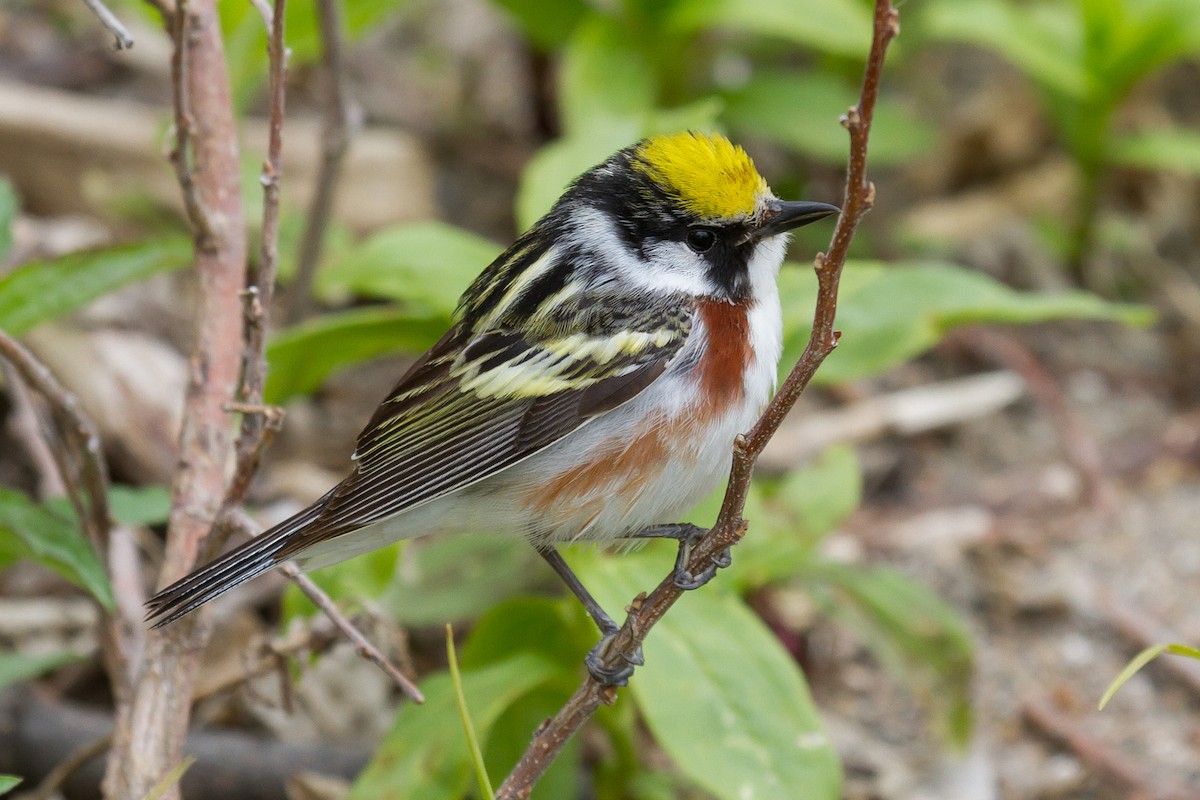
(250, 560)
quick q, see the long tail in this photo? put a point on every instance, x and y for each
(252, 559)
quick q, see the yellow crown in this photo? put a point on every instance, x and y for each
(711, 177)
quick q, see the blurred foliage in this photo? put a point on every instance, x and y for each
(1086, 56)
(775, 74)
(18, 667)
(8, 783)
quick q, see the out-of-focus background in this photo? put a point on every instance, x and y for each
(988, 505)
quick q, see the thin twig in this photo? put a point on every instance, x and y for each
(334, 143)
(180, 154)
(80, 466)
(25, 426)
(260, 423)
(645, 611)
(1079, 445)
(361, 643)
(110, 21)
(67, 767)
(1095, 753)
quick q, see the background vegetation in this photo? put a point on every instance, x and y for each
(1037, 165)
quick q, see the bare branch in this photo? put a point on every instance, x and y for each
(334, 143)
(149, 733)
(81, 469)
(730, 527)
(361, 643)
(109, 20)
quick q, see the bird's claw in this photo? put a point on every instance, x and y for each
(687, 581)
(611, 676)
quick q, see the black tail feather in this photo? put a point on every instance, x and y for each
(241, 564)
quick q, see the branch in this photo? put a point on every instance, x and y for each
(334, 143)
(110, 21)
(361, 643)
(77, 458)
(259, 422)
(149, 734)
(645, 610)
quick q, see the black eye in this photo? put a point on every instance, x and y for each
(701, 239)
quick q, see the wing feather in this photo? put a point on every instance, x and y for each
(477, 404)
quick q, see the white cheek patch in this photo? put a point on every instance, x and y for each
(668, 267)
(764, 265)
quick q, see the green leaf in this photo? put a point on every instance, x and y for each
(604, 76)
(549, 629)
(890, 313)
(910, 629)
(547, 25)
(426, 264)
(8, 211)
(43, 290)
(840, 27)
(720, 694)
(1043, 40)
(1142, 659)
(52, 540)
(459, 577)
(1165, 150)
(425, 754)
(18, 667)
(800, 110)
(303, 356)
(8, 783)
(144, 505)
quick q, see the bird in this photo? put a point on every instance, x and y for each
(590, 387)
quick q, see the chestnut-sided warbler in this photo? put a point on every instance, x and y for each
(591, 386)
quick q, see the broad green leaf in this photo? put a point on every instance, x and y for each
(460, 577)
(603, 77)
(1142, 659)
(43, 290)
(8, 210)
(890, 313)
(425, 753)
(548, 629)
(1043, 40)
(547, 25)
(840, 27)
(145, 505)
(8, 783)
(16, 667)
(800, 110)
(303, 356)
(719, 692)
(52, 540)
(426, 264)
(1165, 150)
(910, 629)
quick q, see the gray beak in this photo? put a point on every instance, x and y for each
(783, 215)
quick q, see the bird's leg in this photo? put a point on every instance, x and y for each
(688, 535)
(608, 628)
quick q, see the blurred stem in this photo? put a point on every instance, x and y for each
(335, 142)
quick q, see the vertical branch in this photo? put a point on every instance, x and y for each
(148, 737)
(259, 423)
(334, 143)
(646, 610)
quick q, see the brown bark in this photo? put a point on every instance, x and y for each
(149, 735)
